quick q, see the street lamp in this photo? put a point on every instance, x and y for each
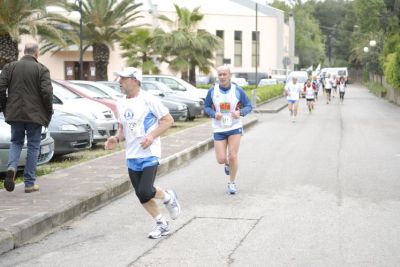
(372, 43)
(366, 49)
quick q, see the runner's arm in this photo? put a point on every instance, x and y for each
(164, 124)
(208, 104)
(245, 104)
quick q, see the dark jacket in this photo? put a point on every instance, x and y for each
(30, 93)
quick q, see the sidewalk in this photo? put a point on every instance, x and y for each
(71, 192)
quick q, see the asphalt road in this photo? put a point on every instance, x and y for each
(323, 191)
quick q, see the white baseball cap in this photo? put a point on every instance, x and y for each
(130, 72)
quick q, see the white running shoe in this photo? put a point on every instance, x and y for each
(172, 205)
(232, 188)
(160, 229)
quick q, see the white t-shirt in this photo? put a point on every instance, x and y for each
(328, 84)
(139, 116)
(342, 87)
(293, 91)
(310, 93)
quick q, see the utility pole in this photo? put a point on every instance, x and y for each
(80, 42)
(256, 44)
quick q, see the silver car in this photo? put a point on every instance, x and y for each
(100, 117)
(45, 153)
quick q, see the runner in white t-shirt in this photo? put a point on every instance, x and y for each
(309, 89)
(142, 119)
(328, 88)
(292, 91)
(342, 88)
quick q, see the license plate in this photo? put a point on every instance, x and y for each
(45, 149)
(115, 126)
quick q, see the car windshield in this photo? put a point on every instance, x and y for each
(63, 92)
(91, 90)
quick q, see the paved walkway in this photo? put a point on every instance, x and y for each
(71, 192)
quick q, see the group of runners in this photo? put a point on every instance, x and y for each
(330, 85)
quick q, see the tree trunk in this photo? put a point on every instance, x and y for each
(185, 75)
(8, 50)
(192, 75)
(101, 55)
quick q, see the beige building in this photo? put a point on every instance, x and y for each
(235, 21)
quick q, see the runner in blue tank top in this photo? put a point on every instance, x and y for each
(225, 103)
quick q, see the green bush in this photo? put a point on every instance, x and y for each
(392, 69)
(265, 92)
(376, 88)
(203, 86)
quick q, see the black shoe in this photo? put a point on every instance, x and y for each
(9, 183)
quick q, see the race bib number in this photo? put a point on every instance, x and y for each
(226, 120)
(132, 128)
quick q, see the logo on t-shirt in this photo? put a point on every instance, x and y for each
(128, 114)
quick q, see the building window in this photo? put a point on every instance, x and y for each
(238, 49)
(255, 49)
(219, 57)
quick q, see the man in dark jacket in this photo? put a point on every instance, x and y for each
(26, 97)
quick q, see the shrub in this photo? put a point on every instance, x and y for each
(265, 92)
(376, 88)
(392, 69)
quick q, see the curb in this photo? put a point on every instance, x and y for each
(44, 223)
(270, 110)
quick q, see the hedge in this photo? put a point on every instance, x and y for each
(263, 92)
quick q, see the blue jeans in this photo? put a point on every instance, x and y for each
(33, 132)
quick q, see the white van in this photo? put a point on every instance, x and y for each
(280, 75)
(338, 72)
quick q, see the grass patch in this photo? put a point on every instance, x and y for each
(376, 88)
(65, 161)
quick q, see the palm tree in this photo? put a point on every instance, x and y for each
(139, 50)
(103, 22)
(18, 17)
(186, 47)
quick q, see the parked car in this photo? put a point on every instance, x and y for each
(70, 132)
(178, 111)
(280, 75)
(239, 81)
(99, 88)
(178, 85)
(46, 150)
(302, 77)
(95, 95)
(204, 80)
(264, 82)
(101, 118)
(113, 85)
(251, 76)
(195, 105)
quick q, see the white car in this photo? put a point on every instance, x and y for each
(46, 150)
(239, 81)
(98, 87)
(279, 75)
(178, 85)
(100, 117)
(264, 82)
